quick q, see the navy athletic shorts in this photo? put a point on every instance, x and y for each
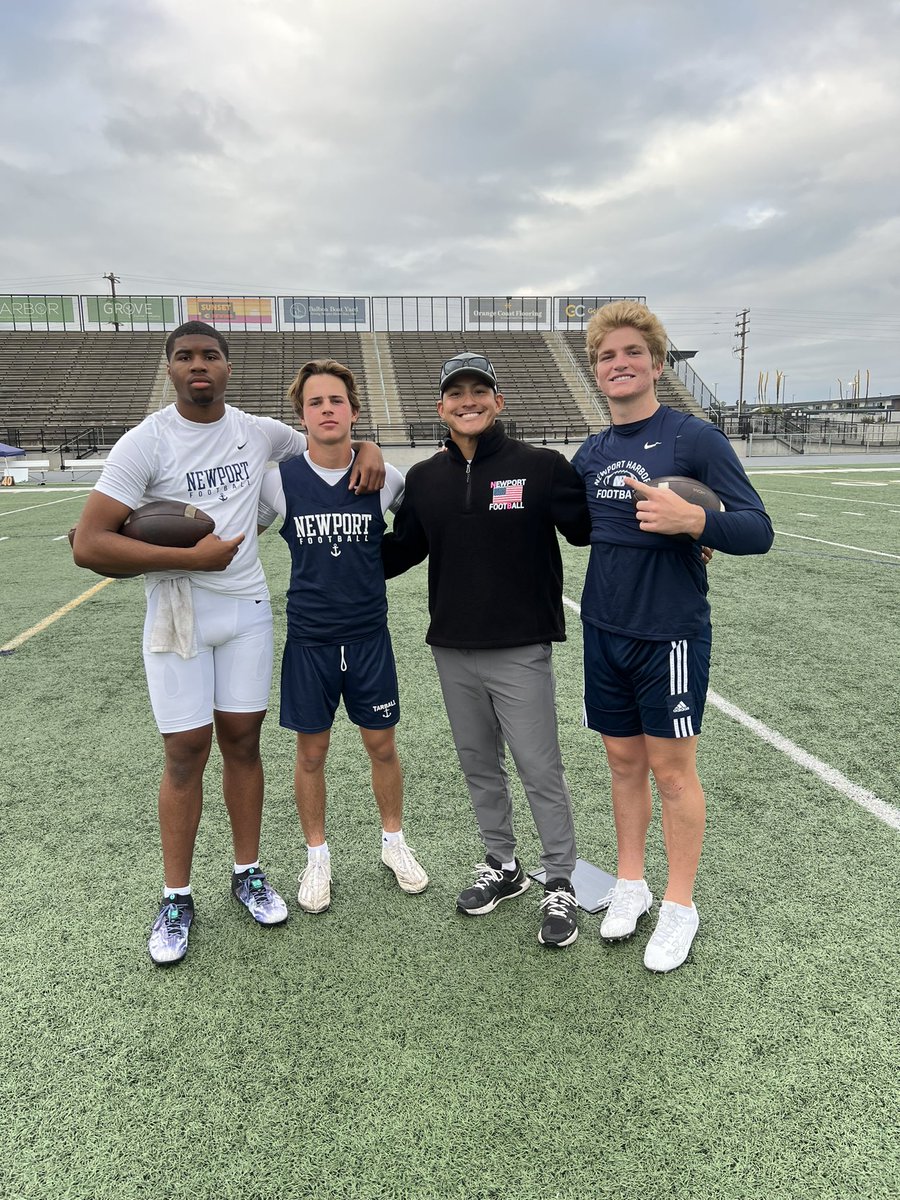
(314, 678)
(634, 686)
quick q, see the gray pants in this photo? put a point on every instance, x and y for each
(509, 695)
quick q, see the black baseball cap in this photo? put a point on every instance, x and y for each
(468, 363)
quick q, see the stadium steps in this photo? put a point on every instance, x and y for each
(162, 392)
(380, 379)
(585, 392)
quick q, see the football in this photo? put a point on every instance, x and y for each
(168, 523)
(163, 523)
(688, 489)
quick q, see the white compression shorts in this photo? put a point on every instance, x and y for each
(232, 671)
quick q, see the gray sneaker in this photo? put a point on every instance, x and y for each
(258, 897)
(169, 936)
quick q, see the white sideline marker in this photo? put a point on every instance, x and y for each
(831, 775)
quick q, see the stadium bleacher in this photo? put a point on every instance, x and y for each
(538, 399)
(265, 363)
(54, 385)
(83, 389)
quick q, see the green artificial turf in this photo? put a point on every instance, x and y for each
(394, 1048)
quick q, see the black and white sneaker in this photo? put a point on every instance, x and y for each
(169, 936)
(258, 896)
(559, 907)
(492, 884)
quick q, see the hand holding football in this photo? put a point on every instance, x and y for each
(669, 504)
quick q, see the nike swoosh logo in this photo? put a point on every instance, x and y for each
(647, 445)
(243, 444)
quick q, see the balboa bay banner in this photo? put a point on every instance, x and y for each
(324, 310)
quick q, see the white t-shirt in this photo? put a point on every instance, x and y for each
(219, 467)
(272, 493)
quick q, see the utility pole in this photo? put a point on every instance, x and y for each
(740, 326)
(113, 280)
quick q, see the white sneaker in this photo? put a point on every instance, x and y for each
(400, 859)
(631, 898)
(672, 937)
(315, 884)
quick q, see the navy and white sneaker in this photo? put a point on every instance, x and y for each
(559, 906)
(169, 936)
(492, 884)
(258, 897)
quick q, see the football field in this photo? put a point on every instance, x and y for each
(392, 1048)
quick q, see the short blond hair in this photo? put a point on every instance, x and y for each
(322, 366)
(627, 313)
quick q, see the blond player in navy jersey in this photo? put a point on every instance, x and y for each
(646, 618)
(208, 631)
(338, 645)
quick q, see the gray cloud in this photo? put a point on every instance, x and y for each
(708, 157)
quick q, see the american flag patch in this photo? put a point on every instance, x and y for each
(506, 494)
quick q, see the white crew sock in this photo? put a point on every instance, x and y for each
(390, 838)
(318, 852)
(182, 891)
(240, 868)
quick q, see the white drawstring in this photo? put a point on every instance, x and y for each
(343, 660)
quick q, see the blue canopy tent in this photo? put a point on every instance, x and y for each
(10, 451)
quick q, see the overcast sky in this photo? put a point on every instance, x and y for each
(709, 155)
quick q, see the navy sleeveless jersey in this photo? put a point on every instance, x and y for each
(337, 591)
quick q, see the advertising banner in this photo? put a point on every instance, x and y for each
(574, 312)
(29, 312)
(231, 311)
(508, 312)
(141, 311)
(324, 310)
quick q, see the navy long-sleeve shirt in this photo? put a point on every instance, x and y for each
(650, 585)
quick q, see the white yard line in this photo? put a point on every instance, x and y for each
(839, 499)
(11, 512)
(879, 808)
(840, 545)
(823, 470)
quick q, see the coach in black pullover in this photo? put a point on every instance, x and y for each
(486, 512)
(495, 573)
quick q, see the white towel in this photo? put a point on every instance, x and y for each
(173, 626)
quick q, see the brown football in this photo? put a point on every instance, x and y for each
(688, 489)
(168, 523)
